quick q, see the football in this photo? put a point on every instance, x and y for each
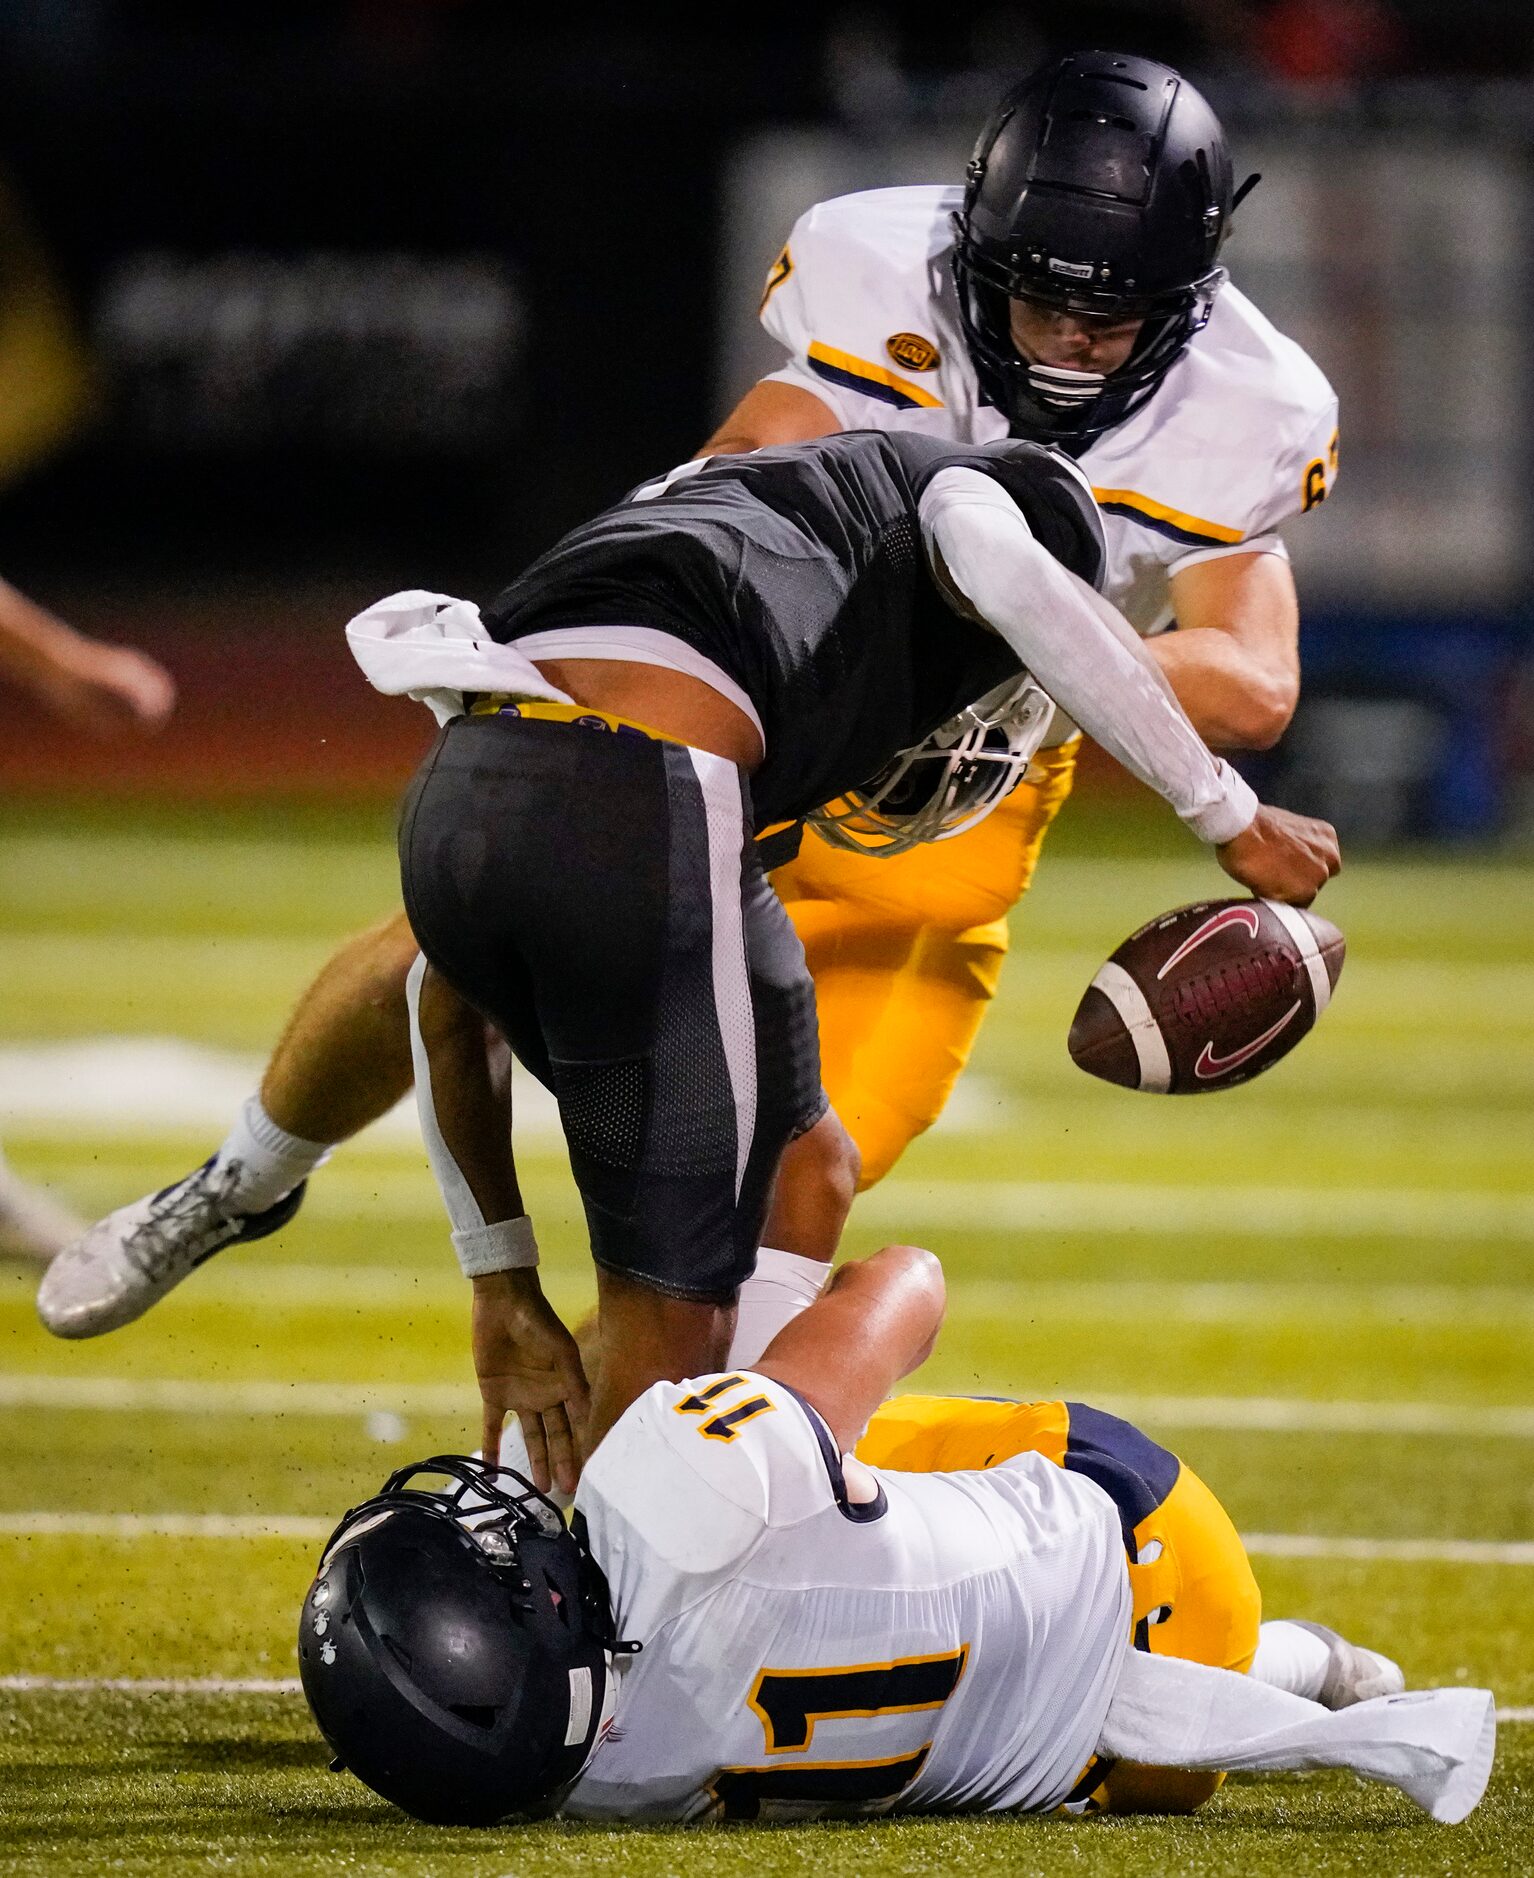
(1207, 996)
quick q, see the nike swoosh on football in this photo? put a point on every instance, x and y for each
(1209, 1065)
(1217, 922)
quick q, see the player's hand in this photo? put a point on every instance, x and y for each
(1282, 856)
(528, 1366)
(107, 691)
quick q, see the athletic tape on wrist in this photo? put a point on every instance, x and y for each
(1231, 815)
(508, 1246)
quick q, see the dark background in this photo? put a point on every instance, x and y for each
(341, 297)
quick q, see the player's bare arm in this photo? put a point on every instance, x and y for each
(771, 413)
(1234, 660)
(525, 1359)
(1087, 657)
(102, 689)
(874, 1323)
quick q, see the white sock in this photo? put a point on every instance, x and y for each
(1291, 1657)
(262, 1161)
(783, 1285)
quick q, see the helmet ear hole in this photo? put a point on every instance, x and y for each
(559, 1601)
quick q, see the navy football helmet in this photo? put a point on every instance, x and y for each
(1101, 186)
(456, 1645)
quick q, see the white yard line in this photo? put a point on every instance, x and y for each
(1297, 1415)
(253, 1278)
(97, 1088)
(150, 1685)
(1392, 1551)
(280, 1685)
(50, 1525)
(116, 1086)
(1273, 1414)
(1236, 1213)
(220, 1526)
(117, 1394)
(1256, 1303)
(362, 1189)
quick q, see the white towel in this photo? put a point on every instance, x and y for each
(433, 648)
(1436, 1745)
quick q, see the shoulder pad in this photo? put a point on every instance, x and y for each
(702, 1469)
(852, 297)
(1241, 436)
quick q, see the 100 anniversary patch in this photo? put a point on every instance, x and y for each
(914, 352)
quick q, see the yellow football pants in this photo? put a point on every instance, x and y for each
(906, 954)
(1198, 1583)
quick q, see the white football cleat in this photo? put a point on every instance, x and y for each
(128, 1261)
(1353, 1674)
(33, 1225)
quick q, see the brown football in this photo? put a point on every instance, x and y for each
(1207, 996)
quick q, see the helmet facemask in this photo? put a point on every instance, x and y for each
(947, 783)
(1063, 405)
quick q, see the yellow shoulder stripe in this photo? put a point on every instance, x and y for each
(1166, 521)
(876, 381)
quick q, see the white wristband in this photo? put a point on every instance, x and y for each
(508, 1246)
(1230, 814)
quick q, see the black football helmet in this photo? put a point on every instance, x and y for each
(456, 1645)
(1102, 186)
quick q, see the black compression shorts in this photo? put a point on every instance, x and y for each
(597, 895)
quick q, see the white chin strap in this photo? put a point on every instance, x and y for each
(1060, 384)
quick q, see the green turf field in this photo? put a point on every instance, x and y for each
(1319, 1289)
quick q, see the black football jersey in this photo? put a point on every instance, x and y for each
(800, 572)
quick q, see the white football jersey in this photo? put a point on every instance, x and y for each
(952, 1645)
(1239, 437)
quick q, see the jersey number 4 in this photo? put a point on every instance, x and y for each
(789, 1703)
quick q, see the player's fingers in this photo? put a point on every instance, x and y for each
(537, 1449)
(154, 699)
(490, 1434)
(564, 1468)
(1324, 863)
(574, 1389)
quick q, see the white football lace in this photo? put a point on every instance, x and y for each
(160, 1243)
